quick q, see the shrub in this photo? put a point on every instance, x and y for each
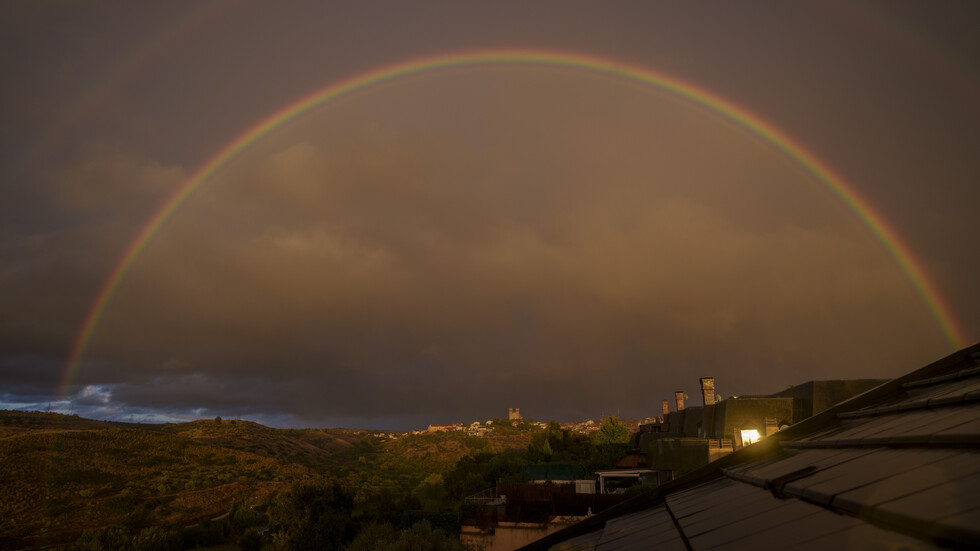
(251, 540)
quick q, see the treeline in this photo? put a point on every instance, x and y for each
(379, 503)
(308, 516)
(586, 453)
(133, 533)
(325, 516)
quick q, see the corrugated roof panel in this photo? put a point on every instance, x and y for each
(752, 520)
(681, 497)
(674, 543)
(638, 530)
(692, 502)
(832, 430)
(961, 527)
(901, 422)
(904, 425)
(657, 518)
(865, 468)
(922, 511)
(955, 422)
(855, 428)
(584, 542)
(800, 530)
(734, 507)
(820, 458)
(862, 536)
(969, 427)
(952, 388)
(864, 498)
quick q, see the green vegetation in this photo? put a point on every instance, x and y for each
(130, 486)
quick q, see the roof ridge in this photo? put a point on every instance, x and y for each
(961, 374)
(928, 440)
(973, 396)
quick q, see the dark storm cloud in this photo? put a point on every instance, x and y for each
(399, 272)
(82, 215)
(443, 247)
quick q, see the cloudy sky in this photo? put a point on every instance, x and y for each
(443, 246)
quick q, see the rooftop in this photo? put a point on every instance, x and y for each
(897, 466)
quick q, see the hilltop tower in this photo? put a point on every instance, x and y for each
(513, 413)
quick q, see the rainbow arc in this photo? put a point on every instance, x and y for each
(769, 133)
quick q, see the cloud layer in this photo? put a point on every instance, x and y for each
(446, 246)
(405, 267)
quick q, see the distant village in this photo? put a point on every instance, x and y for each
(482, 428)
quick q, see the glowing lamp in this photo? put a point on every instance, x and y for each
(749, 436)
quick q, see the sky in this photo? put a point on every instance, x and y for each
(635, 195)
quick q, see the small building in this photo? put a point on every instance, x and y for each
(444, 428)
(618, 481)
(630, 471)
(694, 436)
(896, 467)
(514, 414)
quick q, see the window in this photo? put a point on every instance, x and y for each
(749, 436)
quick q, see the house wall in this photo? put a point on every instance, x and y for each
(686, 446)
(750, 413)
(693, 420)
(678, 454)
(823, 395)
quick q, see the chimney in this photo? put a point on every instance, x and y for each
(708, 390)
(679, 397)
(666, 407)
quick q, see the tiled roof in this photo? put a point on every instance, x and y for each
(897, 467)
(632, 461)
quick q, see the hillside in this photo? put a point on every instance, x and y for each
(57, 482)
(14, 422)
(314, 448)
(64, 474)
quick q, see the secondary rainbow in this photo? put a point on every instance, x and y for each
(573, 61)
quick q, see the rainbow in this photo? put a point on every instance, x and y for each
(871, 218)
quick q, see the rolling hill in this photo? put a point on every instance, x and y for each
(63, 474)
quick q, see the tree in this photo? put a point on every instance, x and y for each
(242, 516)
(312, 516)
(611, 432)
(547, 451)
(612, 442)
(431, 493)
(251, 540)
(420, 537)
(112, 538)
(156, 538)
(374, 537)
